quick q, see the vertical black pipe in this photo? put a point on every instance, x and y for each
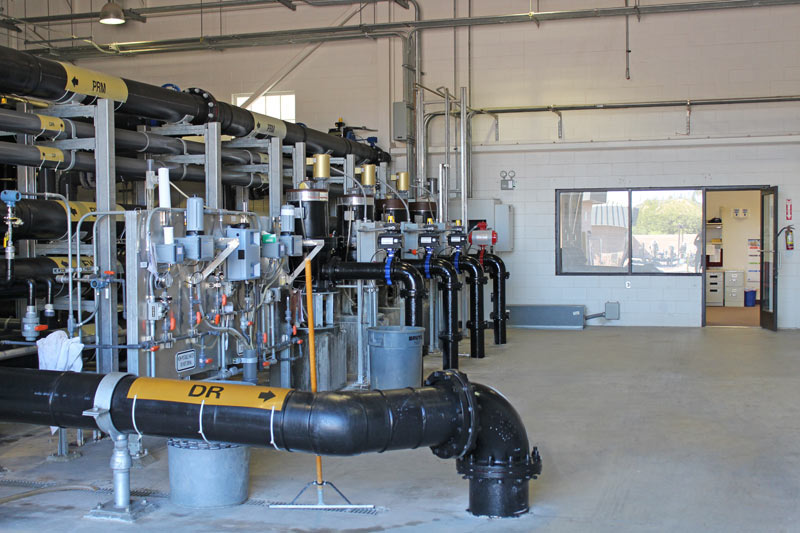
(449, 285)
(476, 279)
(497, 271)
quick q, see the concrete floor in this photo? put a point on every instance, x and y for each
(640, 429)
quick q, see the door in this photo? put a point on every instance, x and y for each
(769, 258)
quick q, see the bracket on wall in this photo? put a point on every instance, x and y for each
(560, 123)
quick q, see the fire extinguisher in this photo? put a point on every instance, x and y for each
(789, 236)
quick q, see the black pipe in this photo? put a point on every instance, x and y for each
(476, 279)
(450, 287)
(413, 282)
(137, 141)
(450, 415)
(127, 168)
(27, 268)
(27, 75)
(500, 465)
(497, 271)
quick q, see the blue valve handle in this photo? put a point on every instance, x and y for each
(428, 256)
(457, 257)
(387, 269)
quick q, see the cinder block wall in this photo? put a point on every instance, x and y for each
(682, 56)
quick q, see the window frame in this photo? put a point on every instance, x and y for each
(630, 191)
(293, 120)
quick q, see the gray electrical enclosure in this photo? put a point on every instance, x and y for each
(400, 114)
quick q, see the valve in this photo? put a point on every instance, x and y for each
(30, 323)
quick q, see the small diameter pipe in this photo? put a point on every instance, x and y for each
(312, 358)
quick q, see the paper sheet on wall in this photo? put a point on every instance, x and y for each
(754, 276)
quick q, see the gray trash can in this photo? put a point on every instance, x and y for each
(395, 356)
(206, 475)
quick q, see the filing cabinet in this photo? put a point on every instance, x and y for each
(715, 288)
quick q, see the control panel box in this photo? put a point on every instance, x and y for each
(245, 261)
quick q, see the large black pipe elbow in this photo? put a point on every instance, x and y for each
(476, 279)
(499, 315)
(455, 418)
(450, 286)
(500, 465)
(400, 271)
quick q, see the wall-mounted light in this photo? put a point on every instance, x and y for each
(112, 14)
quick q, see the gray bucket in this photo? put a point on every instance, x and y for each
(206, 475)
(395, 356)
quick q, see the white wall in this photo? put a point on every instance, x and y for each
(719, 54)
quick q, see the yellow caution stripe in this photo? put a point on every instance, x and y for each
(47, 153)
(93, 83)
(198, 392)
(51, 123)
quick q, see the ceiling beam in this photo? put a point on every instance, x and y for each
(8, 25)
(307, 35)
(163, 10)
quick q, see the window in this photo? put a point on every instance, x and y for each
(629, 231)
(277, 105)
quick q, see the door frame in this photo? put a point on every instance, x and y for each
(770, 320)
(728, 188)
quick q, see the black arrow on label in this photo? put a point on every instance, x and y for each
(75, 82)
(266, 395)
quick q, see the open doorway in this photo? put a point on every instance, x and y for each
(733, 233)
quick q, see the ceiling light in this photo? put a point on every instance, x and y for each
(112, 14)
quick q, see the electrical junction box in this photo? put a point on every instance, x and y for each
(245, 261)
(400, 119)
(498, 216)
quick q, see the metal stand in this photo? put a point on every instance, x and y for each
(320, 505)
(62, 452)
(319, 482)
(122, 508)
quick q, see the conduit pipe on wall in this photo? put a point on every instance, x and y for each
(27, 75)
(452, 416)
(413, 282)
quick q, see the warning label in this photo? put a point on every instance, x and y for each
(197, 392)
(51, 123)
(91, 83)
(47, 153)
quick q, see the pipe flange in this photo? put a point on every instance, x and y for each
(464, 440)
(528, 468)
(212, 106)
(101, 410)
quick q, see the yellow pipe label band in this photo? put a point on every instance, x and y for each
(63, 262)
(92, 83)
(198, 392)
(47, 153)
(51, 123)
